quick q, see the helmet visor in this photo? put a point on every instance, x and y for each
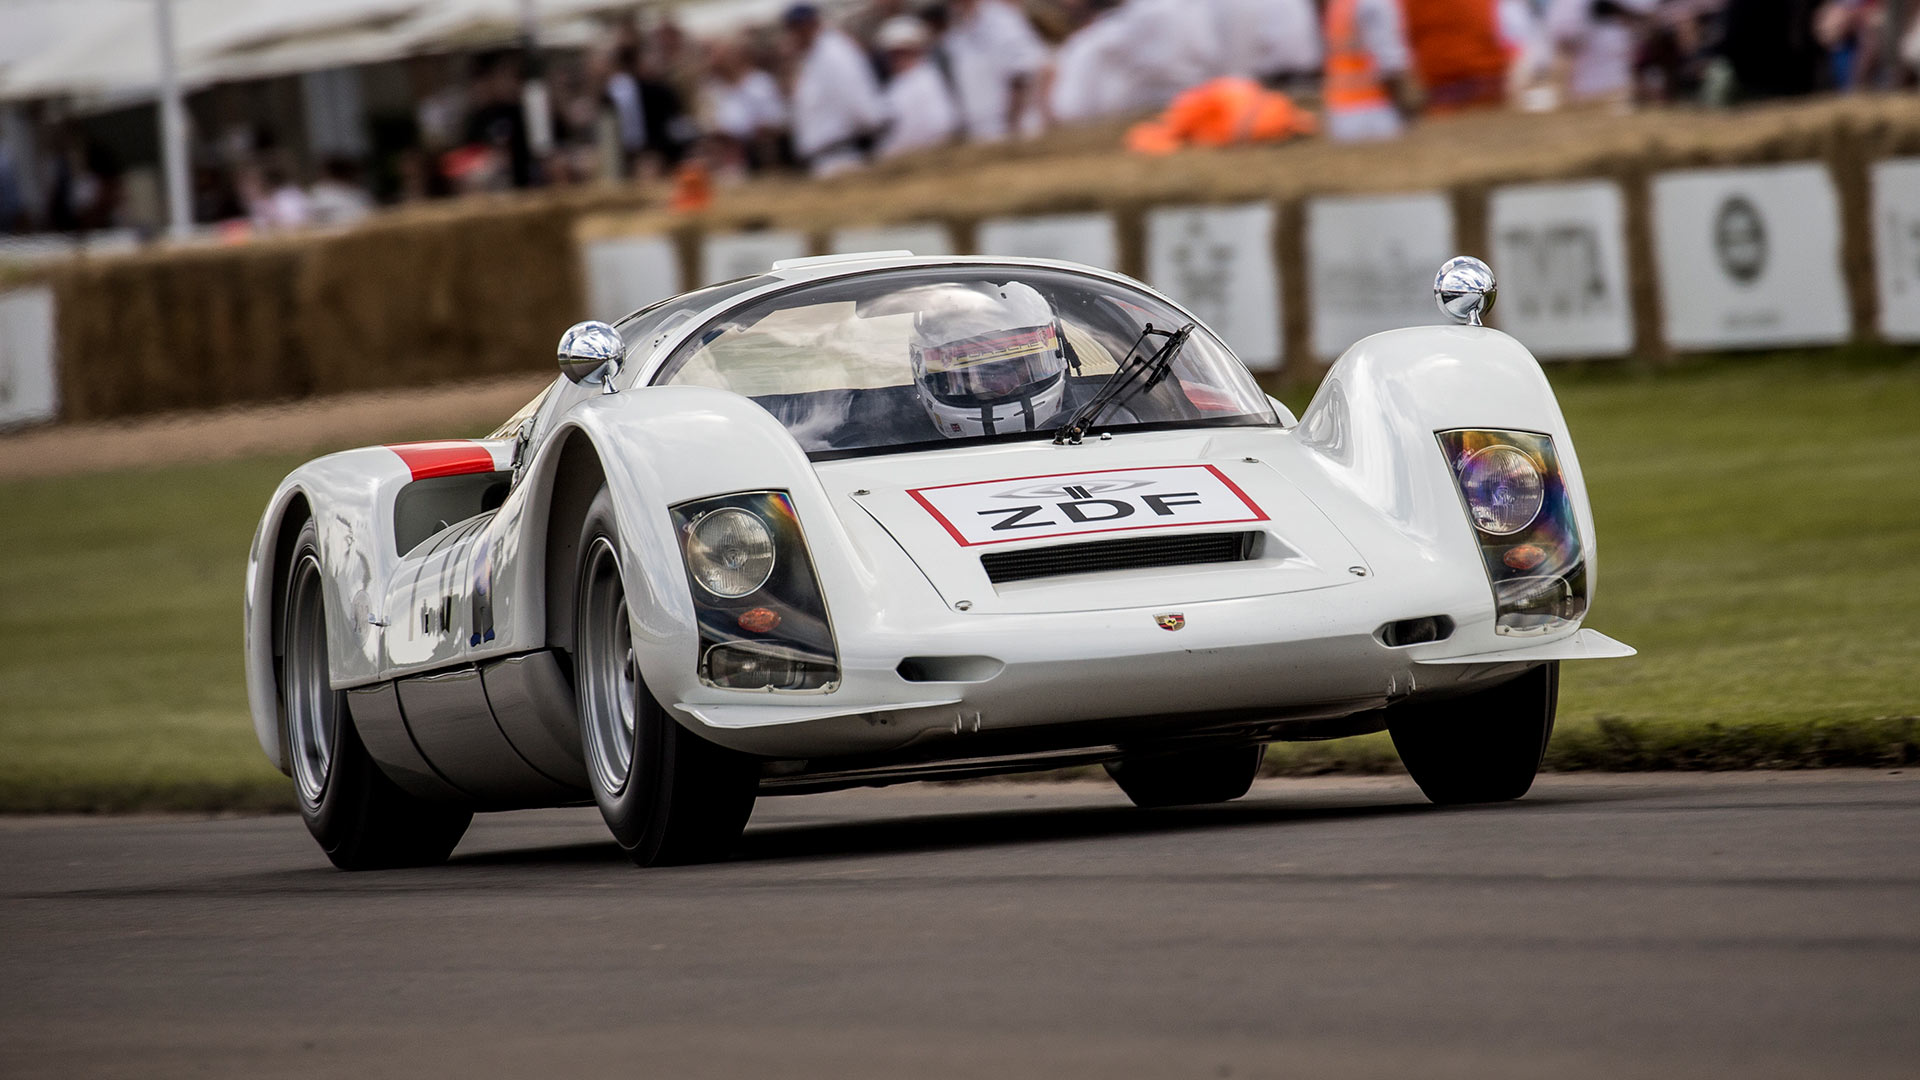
(992, 368)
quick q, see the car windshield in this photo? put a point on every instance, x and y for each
(925, 357)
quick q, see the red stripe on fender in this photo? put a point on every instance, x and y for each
(452, 457)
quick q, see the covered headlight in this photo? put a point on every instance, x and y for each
(1503, 488)
(730, 552)
(763, 618)
(1514, 493)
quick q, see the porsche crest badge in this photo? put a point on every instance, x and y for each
(1170, 622)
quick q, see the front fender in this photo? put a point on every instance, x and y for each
(1371, 425)
(658, 447)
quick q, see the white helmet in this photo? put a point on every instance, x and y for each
(988, 359)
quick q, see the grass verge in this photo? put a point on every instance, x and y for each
(1758, 516)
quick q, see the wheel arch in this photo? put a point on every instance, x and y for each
(265, 616)
(577, 478)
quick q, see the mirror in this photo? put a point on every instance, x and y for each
(1464, 288)
(590, 354)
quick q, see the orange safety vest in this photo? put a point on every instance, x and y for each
(1352, 78)
(1457, 52)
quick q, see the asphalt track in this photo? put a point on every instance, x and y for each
(1749, 925)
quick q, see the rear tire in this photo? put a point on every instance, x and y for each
(362, 820)
(669, 796)
(1484, 747)
(1188, 777)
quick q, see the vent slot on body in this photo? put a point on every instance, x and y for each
(1132, 553)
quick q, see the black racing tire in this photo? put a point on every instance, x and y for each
(669, 796)
(1483, 747)
(1188, 777)
(361, 819)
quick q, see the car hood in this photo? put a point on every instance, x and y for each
(948, 509)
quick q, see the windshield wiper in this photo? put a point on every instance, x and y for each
(1132, 378)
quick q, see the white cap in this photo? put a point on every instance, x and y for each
(901, 32)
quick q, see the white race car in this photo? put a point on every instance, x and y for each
(877, 518)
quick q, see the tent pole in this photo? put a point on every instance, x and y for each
(173, 124)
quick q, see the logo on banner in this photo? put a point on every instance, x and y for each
(1740, 239)
(1561, 273)
(1074, 504)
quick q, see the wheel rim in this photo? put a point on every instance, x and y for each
(609, 670)
(313, 714)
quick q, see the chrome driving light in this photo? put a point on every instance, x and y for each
(1503, 488)
(730, 552)
(1516, 497)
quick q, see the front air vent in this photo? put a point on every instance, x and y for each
(1132, 553)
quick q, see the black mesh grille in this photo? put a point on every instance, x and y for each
(1132, 553)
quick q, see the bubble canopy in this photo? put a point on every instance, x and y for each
(843, 363)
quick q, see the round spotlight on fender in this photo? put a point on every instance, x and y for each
(730, 552)
(1504, 489)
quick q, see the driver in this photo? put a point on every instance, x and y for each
(989, 359)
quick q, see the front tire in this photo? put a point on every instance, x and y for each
(1188, 777)
(362, 820)
(1483, 747)
(669, 796)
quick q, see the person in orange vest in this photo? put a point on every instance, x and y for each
(1368, 91)
(1458, 52)
(1221, 112)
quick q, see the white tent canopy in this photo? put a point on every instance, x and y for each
(105, 49)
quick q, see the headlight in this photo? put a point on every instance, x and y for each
(1504, 489)
(763, 619)
(1513, 492)
(730, 552)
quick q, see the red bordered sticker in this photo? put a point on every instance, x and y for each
(1084, 503)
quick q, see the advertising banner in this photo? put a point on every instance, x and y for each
(1219, 262)
(1896, 247)
(28, 390)
(628, 273)
(738, 255)
(1371, 262)
(1081, 238)
(1559, 255)
(1750, 257)
(927, 238)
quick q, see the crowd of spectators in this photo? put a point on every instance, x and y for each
(832, 88)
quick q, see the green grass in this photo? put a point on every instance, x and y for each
(1760, 545)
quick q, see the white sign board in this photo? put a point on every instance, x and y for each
(1081, 238)
(1370, 265)
(1896, 247)
(1219, 262)
(1750, 257)
(738, 255)
(930, 238)
(628, 273)
(1559, 255)
(1075, 504)
(28, 391)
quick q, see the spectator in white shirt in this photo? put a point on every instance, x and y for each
(1274, 41)
(337, 197)
(1163, 47)
(744, 106)
(920, 108)
(1600, 38)
(837, 109)
(998, 61)
(1088, 82)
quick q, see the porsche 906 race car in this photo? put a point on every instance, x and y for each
(876, 518)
